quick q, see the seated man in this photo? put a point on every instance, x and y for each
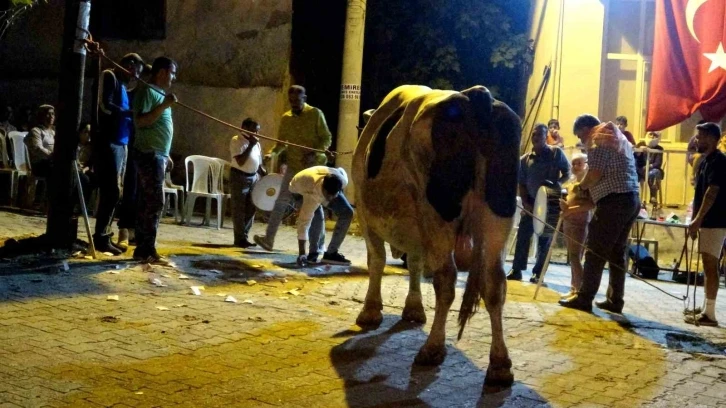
(321, 186)
(40, 141)
(655, 168)
(544, 166)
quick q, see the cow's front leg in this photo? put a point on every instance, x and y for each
(434, 351)
(414, 310)
(371, 315)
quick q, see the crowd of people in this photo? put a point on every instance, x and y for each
(600, 201)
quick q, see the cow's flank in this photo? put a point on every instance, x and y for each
(377, 148)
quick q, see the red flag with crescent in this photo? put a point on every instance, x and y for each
(689, 62)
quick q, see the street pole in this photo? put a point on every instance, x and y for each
(349, 113)
(62, 226)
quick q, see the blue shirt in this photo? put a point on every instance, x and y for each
(116, 118)
(535, 169)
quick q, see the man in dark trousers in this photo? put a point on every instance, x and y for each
(709, 221)
(154, 133)
(612, 182)
(545, 166)
(116, 126)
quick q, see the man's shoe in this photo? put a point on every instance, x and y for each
(577, 302)
(102, 243)
(701, 320)
(262, 241)
(534, 279)
(609, 306)
(154, 259)
(313, 257)
(244, 244)
(335, 258)
(514, 275)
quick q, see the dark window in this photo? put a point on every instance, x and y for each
(129, 19)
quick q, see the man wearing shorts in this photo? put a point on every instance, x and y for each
(709, 224)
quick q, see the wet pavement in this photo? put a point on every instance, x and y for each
(290, 339)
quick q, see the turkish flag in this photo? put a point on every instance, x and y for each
(689, 62)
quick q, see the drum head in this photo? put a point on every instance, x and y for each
(266, 191)
(540, 210)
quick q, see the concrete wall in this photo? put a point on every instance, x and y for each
(233, 60)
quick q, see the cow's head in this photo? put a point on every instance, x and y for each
(462, 128)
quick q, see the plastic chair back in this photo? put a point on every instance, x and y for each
(20, 151)
(224, 168)
(203, 174)
(4, 158)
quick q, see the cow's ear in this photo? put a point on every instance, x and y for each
(481, 103)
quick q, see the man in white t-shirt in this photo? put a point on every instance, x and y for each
(246, 164)
(321, 186)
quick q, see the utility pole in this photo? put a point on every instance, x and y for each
(349, 116)
(62, 226)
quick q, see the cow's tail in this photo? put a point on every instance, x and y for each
(470, 302)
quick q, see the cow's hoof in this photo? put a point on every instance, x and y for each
(369, 318)
(414, 311)
(430, 355)
(498, 379)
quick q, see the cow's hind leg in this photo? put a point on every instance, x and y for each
(371, 315)
(434, 351)
(414, 310)
(494, 292)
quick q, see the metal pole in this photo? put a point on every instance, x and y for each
(349, 115)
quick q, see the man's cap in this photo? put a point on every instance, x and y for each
(710, 128)
(136, 58)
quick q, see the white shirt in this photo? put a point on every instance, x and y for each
(237, 146)
(309, 184)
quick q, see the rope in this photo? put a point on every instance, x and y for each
(95, 48)
(585, 247)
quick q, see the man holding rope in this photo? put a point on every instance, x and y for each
(154, 132)
(709, 224)
(302, 124)
(613, 185)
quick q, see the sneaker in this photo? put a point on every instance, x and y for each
(335, 258)
(514, 275)
(154, 259)
(262, 241)
(313, 257)
(534, 279)
(701, 320)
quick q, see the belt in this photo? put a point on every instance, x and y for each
(244, 173)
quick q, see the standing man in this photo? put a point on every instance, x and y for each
(709, 224)
(613, 185)
(304, 125)
(116, 125)
(545, 166)
(321, 186)
(154, 132)
(246, 164)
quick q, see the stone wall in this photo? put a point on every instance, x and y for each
(233, 60)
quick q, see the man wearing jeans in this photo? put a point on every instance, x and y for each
(110, 146)
(154, 132)
(321, 186)
(709, 222)
(304, 125)
(612, 181)
(546, 166)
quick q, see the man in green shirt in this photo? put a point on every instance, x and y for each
(304, 125)
(154, 132)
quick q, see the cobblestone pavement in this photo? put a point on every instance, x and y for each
(290, 340)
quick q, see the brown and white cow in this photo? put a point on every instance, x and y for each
(432, 165)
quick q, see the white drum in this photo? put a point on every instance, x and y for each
(546, 208)
(266, 191)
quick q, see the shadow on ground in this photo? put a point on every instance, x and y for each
(378, 371)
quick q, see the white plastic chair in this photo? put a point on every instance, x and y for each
(226, 168)
(22, 166)
(205, 183)
(6, 166)
(171, 189)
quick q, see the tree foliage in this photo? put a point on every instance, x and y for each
(12, 10)
(450, 44)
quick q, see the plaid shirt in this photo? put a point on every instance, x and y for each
(617, 169)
